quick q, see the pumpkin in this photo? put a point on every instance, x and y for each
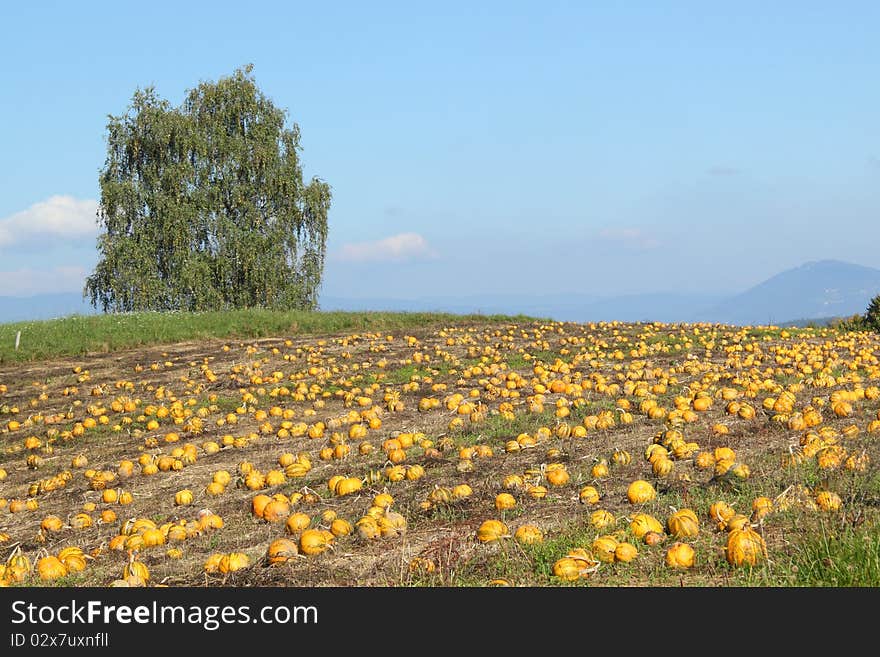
(314, 541)
(348, 485)
(210, 521)
(537, 492)
(513, 482)
(81, 521)
(276, 510)
(229, 563)
(298, 522)
(640, 492)
(182, 497)
(828, 500)
(258, 504)
(680, 555)
(720, 512)
(281, 550)
(600, 519)
(415, 472)
(212, 563)
(736, 521)
(255, 480)
(761, 506)
(275, 478)
(383, 500)
(137, 569)
(459, 492)
(367, 528)
(557, 476)
(600, 469)
(73, 559)
(153, 537)
(642, 523)
(528, 535)
(504, 501)
(588, 495)
(625, 552)
(568, 569)
(662, 466)
(177, 533)
(18, 566)
(492, 530)
(340, 527)
(50, 568)
(745, 547)
(52, 524)
(683, 524)
(604, 547)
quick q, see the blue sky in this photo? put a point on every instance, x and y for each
(482, 148)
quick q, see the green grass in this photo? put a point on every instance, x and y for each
(827, 557)
(77, 335)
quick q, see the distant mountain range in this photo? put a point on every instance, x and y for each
(816, 291)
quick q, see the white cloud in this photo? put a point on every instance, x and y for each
(396, 248)
(633, 238)
(27, 282)
(57, 216)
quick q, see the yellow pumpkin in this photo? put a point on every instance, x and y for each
(281, 550)
(52, 524)
(73, 559)
(736, 521)
(50, 568)
(492, 530)
(383, 500)
(153, 537)
(340, 527)
(528, 535)
(625, 552)
(212, 563)
(229, 563)
(276, 510)
(557, 476)
(643, 523)
(537, 492)
(680, 555)
(683, 524)
(588, 495)
(504, 501)
(258, 504)
(183, 497)
(745, 547)
(640, 492)
(298, 522)
(720, 512)
(459, 492)
(348, 485)
(314, 541)
(761, 506)
(367, 528)
(603, 548)
(601, 518)
(137, 569)
(568, 569)
(828, 500)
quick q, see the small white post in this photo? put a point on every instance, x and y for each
(17, 339)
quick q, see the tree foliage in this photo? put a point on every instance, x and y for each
(203, 206)
(872, 314)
